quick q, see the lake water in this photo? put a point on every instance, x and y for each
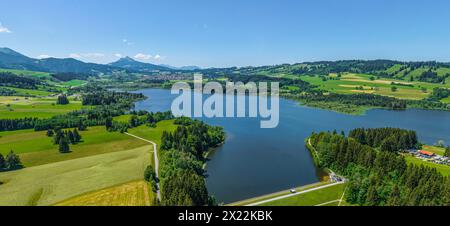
(255, 161)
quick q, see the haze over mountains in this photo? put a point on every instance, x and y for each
(11, 59)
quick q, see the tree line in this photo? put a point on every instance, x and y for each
(380, 178)
(182, 158)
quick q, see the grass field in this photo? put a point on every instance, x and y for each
(20, 107)
(445, 170)
(311, 198)
(153, 134)
(75, 83)
(52, 183)
(135, 193)
(35, 148)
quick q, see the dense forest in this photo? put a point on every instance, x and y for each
(12, 80)
(386, 139)
(182, 158)
(380, 177)
(65, 77)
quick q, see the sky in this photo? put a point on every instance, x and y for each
(224, 33)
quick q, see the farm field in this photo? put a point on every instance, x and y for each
(360, 83)
(20, 107)
(311, 198)
(135, 193)
(52, 183)
(35, 148)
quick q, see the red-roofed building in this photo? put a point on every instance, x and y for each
(426, 153)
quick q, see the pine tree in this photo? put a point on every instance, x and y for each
(108, 123)
(13, 161)
(50, 133)
(57, 138)
(76, 135)
(64, 145)
(2, 162)
(447, 152)
(71, 137)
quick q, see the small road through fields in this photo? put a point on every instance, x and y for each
(155, 152)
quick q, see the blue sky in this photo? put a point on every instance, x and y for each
(219, 33)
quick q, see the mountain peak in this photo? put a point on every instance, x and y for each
(9, 51)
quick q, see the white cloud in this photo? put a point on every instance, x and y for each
(4, 29)
(118, 55)
(74, 55)
(157, 57)
(127, 42)
(44, 56)
(141, 56)
(86, 55)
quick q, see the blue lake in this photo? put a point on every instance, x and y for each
(256, 161)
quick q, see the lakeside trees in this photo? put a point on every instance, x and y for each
(387, 139)
(182, 157)
(378, 178)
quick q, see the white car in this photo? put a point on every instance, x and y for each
(293, 191)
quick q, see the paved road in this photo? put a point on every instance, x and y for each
(155, 152)
(294, 194)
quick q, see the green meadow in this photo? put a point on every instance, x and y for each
(35, 148)
(52, 183)
(20, 107)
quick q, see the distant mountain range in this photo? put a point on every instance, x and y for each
(11, 59)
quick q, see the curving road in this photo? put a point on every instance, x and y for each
(155, 152)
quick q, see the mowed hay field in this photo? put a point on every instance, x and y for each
(21, 107)
(52, 183)
(35, 148)
(135, 193)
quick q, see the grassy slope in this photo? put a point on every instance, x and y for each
(19, 107)
(52, 183)
(135, 193)
(35, 148)
(445, 170)
(311, 198)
